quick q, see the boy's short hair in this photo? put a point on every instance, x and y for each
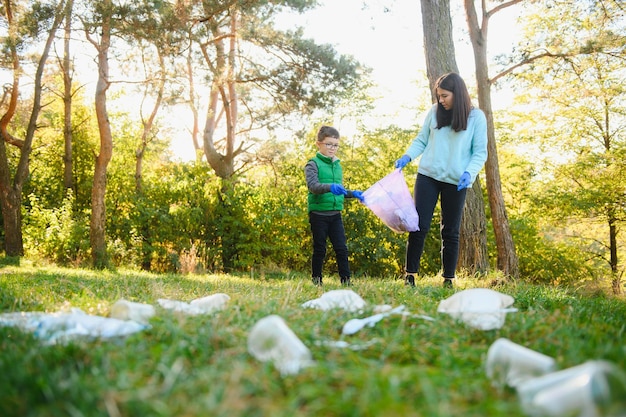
(327, 132)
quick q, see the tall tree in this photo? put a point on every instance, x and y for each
(66, 69)
(507, 260)
(24, 24)
(134, 23)
(98, 33)
(257, 76)
(440, 59)
(586, 186)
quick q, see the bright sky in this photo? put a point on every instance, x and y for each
(389, 42)
(386, 35)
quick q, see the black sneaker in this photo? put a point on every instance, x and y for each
(409, 280)
(317, 281)
(345, 281)
(447, 283)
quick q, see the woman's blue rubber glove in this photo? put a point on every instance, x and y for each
(338, 189)
(359, 195)
(401, 163)
(464, 181)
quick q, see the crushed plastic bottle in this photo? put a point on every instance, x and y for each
(509, 364)
(271, 340)
(593, 389)
(128, 310)
(211, 303)
(354, 325)
(205, 305)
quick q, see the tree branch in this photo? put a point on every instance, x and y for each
(502, 6)
(525, 62)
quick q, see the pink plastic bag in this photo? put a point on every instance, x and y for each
(391, 200)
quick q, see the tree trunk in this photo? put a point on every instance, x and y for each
(228, 233)
(224, 96)
(68, 159)
(473, 255)
(11, 189)
(438, 43)
(97, 223)
(147, 125)
(440, 59)
(146, 235)
(195, 130)
(616, 279)
(507, 261)
(12, 221)
(10, 197)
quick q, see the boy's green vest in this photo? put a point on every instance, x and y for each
(329, 172)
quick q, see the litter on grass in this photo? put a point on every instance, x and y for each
(342, 344)
(204, 305)
(129, 310)
(509, 364)
(271, 340)
(595, 388)
(354, 325)
(64, 326)
(481, 308)
(346, 300)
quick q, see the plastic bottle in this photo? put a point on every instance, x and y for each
(271, 340)
(509, 364)
(592, 389)
(129, 310)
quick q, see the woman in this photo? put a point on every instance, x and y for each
(453, 148)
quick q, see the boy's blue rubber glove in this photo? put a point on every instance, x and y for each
(403, 161)
(338, 189)
(358, 195)
(464, 181)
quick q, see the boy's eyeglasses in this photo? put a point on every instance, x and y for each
(331, 145)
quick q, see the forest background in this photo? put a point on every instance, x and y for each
(90, 179)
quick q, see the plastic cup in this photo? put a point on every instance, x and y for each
(509, 364)
(592, 389)
(271, 340)
(128, 310)
(211, 303)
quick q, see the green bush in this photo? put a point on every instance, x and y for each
(56, 234)
(546, 261)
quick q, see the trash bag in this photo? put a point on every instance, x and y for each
(391, 200)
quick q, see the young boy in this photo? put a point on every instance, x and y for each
(323, 175)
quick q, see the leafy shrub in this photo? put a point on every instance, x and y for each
(546, 261)
(56, 234)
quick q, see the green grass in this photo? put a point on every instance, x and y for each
(199, 366)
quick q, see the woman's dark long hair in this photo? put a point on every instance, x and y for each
(457, 116)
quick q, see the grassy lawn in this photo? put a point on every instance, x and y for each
(199, 365)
